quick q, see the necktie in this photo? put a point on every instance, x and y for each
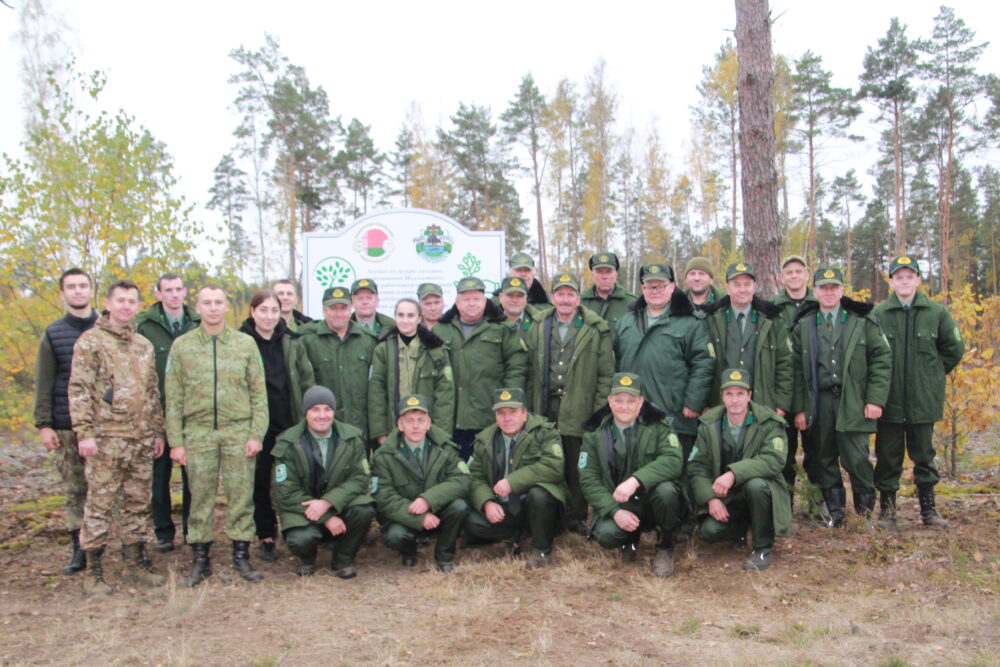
(740, 321)
(829, 321)
(177, 329)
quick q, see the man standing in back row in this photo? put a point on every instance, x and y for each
(606, 297)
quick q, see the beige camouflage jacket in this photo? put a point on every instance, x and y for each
(113, 384)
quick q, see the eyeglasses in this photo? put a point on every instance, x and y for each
(655, 286)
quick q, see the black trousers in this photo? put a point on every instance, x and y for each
(264, 518)
(160, 505)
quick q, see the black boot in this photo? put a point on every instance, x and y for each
(241, 561)
(663, 562)
(835, 499)
(928, 513)
(78, 560)
(864, 503)
(887, 510)
(201, 565)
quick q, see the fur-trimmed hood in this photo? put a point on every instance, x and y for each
(428, 338)
(649, 414)
(679, 304)
(859, 308)
(493, 313)
(762, 306)
(537, 296)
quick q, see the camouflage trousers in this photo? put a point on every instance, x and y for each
(210, 454)
(70, 464)
(118, 478)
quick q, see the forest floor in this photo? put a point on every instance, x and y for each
(852, 596)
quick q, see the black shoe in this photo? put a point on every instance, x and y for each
(630, 551)
(423, 541)
(347, 572)
(164, 546)
(444, 567)
(739, 544)
(201, 565)
(887, 510)
(537, 561)
(268, 552)
(835, 499)
(579, 527)
(306, 569)
(78, 559)
(759, 560)
(512, 549)
(928, 512)
(241, 561)
(408, 560)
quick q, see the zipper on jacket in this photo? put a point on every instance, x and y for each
(906, 355)
(215, 383)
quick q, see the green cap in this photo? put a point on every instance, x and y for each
(412, 402)
(828, 276)
(513, 284)
(332, 295)
(508, 397)
(364, 283)
(565, 280)
(740, 269)
(608, 260)
(735, 377)
(521, 260)
(626, 383)
(699, 264)
(794, 258)
(656, 271)
(469, 283)
(427, 289)
(904, 262)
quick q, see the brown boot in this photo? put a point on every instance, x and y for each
(138, 570)
(93, 577)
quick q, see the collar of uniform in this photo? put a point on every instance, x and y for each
(748, 312)
(746, 422)
(206, 337)
(838, 313)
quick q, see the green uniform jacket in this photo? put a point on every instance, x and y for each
(150, 324)
(659, 457)
(764, 452)
(297, 366)
(344, 483)
(215, 389)
(611, 309)
(867, 366)
(382, 323)
(772, 365)
(529, 318)
(923, 353)
(714, 296)
(788, 310)
(342, 366)
(588, 378)
(433, 380)
(674, 358)
(538, 461)
(396, 484)
(492, 357)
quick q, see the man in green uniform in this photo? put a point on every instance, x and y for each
(340, 351)
(735, 472)
(288, 298)
(431, 298)
(630, 471)
(698, 277)
(571, 361)
(485, 354)
(165, 321)
(606, 297)
(364, 300)
(517, 479)
(842, 369)
(522, 265)
(926, 345)
(513, 298)
(320, 485)
(216, 420)
(115, 407)
(420, 484)
(748, 333)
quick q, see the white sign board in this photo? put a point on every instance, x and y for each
(399, 249)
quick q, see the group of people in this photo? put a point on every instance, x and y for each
(507, 418)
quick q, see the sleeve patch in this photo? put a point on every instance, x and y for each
(694, 453)
(373, 486)
(674, 440)
(711, 350)
(463, 467)
(557, 450)
(280, 473)
(366, 467)
(582, 463)
(958, 335)
(448, 374)
(779, 443)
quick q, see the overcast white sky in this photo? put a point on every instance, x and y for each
(167, 62)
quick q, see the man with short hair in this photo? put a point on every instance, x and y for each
(513, 298)
(926, 345)
(606, 297)
(518, 483)
(320, 485)
(217, 417)
(630, 471)
(420, 484)
(570, 364)
(698, 277)
(288, 299)
(165, 321)
(431, 298)
(522, 265)
(842, 369)
(364, 300)
(115, 408)
(52, 416)
(735, 472)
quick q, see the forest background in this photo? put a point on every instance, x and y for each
(905, 158)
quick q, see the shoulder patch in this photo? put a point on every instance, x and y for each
(373, 486)
(779, 443)
(711, 350)
(463, 467)
(958, 337)
(448, 374)
(280, 473)
(557, 449)
(674, 440)
(582, 462)
(366, 467)
(694, 453)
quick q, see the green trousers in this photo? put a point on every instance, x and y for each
(835, 448)
(539, 516)
(211, 455)
(750, 507)
(891, 442)
(305, 540)
(404, 539)
(659, 508)
(576, 507)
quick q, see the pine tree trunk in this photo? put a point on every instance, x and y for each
(897, 151)
(761, 229)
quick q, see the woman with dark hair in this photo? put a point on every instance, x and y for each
(409, 359)
(288, 374)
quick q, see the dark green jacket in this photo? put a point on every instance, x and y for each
(674, 358)
(150, 324)
(433, 380)
(396, 483)
(611, 309)
(528, 321)
(772, 369)
(342, 366)
(659, 457)
(297, 367)
(538, 461)
(926, 346)
(714, 295)
(788, 310)
(492, 357)
(867, 366)
(297, 476)
(588, 377)
(764, 451)
(382, 323)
